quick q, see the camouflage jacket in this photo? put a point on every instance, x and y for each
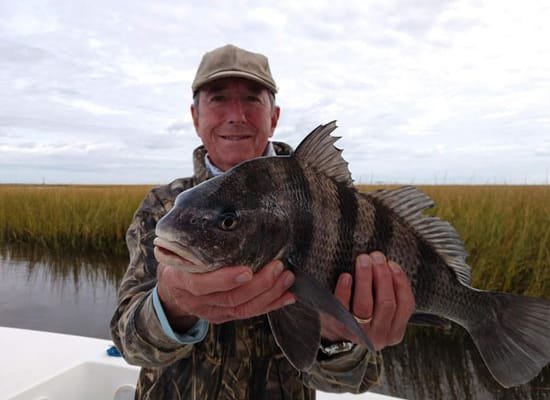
(236, 360)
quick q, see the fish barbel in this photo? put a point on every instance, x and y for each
(304, 209)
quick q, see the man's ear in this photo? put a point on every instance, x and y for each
(195, 116)
(276, 113)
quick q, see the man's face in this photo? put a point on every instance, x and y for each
(234, 120)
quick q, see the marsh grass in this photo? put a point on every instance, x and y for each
(506, 228)
(68, 218)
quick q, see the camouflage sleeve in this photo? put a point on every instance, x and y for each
(353, 372)
(135, 327)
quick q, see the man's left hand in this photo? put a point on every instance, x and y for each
(382, 296)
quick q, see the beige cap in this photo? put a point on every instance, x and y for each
(231, 61)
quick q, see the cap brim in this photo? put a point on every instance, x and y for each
(234, 74)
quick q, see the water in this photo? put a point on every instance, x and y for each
(436, 365)
(76, 294)
(67, 294)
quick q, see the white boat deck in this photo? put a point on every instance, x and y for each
(49, 366)
(42, 365)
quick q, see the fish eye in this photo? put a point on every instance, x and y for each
(228, 220)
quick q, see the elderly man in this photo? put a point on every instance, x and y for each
(205, 336)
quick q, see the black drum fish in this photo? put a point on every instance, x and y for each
(305, 210)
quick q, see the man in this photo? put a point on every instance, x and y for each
(205, 336)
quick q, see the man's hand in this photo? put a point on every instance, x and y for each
(226, 294)
(382, 294)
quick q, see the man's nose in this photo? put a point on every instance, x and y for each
(237, 111)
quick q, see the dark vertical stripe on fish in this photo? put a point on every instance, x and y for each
(347, 203)
(301, 212)
(426, 282)
(383, 228)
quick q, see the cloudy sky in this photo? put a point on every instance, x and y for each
(427, 91)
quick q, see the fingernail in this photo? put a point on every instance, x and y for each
(289, 280)
(244, 277)
(395, 267)
(378, 258)
(289, 302)
(346, 280)
(278, 269)
(364, 261)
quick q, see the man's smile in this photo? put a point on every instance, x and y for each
(235, 137)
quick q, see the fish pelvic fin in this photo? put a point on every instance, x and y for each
(297, 331)
(409, 203)
(317, 151)
(514, 340)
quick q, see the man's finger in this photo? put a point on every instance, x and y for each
(223, 279)
(362, 293)
(385, 301)
(269, 300)
(343, 289)
(405, 303)
(263, 282)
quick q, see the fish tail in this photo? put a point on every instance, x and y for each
(514, 339)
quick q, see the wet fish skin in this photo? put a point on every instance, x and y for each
(196, 221)
(305, 210)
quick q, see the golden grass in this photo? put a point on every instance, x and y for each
(506, 228)
(82, 218)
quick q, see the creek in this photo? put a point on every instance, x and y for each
(76, 294)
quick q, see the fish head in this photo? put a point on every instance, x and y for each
(232, 219)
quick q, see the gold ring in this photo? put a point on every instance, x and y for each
(361, 320)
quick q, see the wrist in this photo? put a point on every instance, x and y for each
(180, 323)
(179, 320)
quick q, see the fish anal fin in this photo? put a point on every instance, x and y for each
(297, 331)
(317, 151)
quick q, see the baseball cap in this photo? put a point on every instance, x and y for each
(231, 61)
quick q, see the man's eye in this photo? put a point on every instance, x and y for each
(217, 98)
(254, 99)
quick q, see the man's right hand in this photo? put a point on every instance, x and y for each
(226, 294)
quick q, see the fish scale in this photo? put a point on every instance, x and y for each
(305, 210)
(327, 219)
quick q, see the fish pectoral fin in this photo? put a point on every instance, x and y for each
(297, 331)
(310, 293)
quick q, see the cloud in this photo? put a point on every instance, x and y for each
(88, 106)
(543, 150)
(22, 20)
(21, 54)
(152, 74)
(99, 92)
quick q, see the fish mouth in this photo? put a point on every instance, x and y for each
(175, 255)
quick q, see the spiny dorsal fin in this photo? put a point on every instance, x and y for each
(409, 203)
(317, 151)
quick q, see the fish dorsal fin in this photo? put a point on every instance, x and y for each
(317, 151)
(409, 203)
